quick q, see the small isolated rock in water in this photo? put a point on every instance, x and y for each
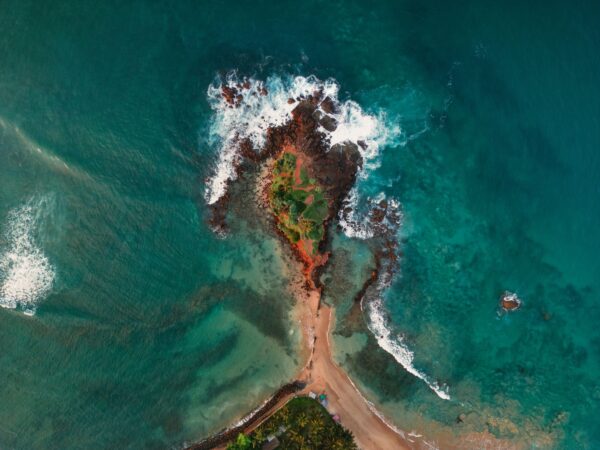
(509, 301)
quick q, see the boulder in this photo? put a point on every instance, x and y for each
(329, 123)
(230, 94)
(509, 301)
(328, 106)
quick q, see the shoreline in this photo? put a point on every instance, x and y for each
(322, 374)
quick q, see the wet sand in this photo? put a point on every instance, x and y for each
(322, 375)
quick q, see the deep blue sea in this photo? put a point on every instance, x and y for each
(126, 322)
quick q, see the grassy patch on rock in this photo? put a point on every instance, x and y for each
(298, 203)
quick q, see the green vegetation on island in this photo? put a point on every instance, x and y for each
(298, 202)
(301, 424)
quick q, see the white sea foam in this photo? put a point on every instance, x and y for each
(396, 347)
(257, 113)
(26, 275)
(354, 224)
(354, 218)
(250, 415)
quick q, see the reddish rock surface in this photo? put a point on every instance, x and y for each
(509, 301)
(230, 94)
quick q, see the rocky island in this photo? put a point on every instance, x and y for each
(302, 183)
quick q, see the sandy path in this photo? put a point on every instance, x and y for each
(322, 374)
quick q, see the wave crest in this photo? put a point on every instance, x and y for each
(265, 104)
(26, 275)
(396, 347)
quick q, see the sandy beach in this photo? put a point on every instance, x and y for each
(323, 375)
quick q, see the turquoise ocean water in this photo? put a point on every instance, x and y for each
(149, 331)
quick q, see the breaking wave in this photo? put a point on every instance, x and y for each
(354, 224)
(265, 104)
(26, 275)
(354, 218)
(395, 346)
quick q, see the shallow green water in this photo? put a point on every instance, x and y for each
(150, 331)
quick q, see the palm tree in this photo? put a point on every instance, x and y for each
(242, 442)
(302, 420)
(283, 416)
(316, 428)
(296, 438)
(258, 437)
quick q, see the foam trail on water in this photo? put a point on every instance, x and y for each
(396, 347)
(26, 275)
(265, 104)
(45, 155)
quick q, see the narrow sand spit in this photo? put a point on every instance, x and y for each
(323, 375)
